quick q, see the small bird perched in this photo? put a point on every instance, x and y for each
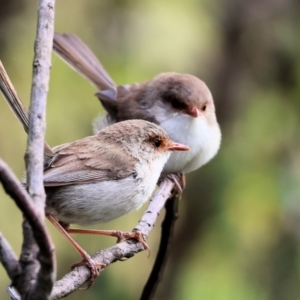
(102, 177)
(180, 103)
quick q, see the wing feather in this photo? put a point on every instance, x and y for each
(87, 161)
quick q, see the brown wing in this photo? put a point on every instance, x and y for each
(129, 104)
(87, 161)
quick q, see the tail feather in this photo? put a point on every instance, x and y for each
(16, 105)
(73, 50)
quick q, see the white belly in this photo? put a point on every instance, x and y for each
(104, 201)
(203, 140)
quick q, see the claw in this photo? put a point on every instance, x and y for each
(93, 266)
(121, 235)
(179, 180)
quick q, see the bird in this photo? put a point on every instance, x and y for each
(101, 177)
(182, 104)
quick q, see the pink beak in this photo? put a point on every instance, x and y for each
(177, 147)
(193, 112)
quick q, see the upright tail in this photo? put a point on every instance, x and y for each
(10, 95)
(77, 54)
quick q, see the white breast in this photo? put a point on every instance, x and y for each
(104, 201)
(204, 141)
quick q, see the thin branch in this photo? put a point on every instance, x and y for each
(76, 278)
(37, 110)
(8, 258)
(43, 275)
(15, 189)
(167, 231)
(12, 293)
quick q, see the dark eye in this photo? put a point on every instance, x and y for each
(177, 104)
(157, 143)
(175, 101)
(204, 108)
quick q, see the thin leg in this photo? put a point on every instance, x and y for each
(182, 180)
(179, 181)
(120, 235)
(86, 258)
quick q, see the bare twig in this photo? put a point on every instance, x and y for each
(15, 189)
(8, 258)
(36, 260)
(167, 231)
(76, 278)
(43, 280)
(37, 110)
(12, 293)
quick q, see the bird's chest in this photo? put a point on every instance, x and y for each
(102, 201)
(186, 131)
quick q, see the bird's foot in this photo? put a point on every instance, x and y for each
(137, 235)
(179, 180)
(92, 265)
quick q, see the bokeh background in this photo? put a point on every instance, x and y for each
(239, 228)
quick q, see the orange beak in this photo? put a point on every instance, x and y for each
(193, 112)
(177, 147)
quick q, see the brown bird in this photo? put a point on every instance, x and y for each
(102, 177)
(180, 103)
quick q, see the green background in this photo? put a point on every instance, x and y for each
(238, 233)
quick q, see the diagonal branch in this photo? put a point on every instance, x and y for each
(12, 293)
(8, 258)
(15, 189)
(76, 278)
(167, 231)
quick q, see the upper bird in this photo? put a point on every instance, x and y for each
(180, 103)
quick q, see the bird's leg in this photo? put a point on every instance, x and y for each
(120, 235)
(179, 181)
(87, 260)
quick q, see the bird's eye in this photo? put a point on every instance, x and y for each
(175, 101)
(157, 143)
(177, 104)
(204, 108)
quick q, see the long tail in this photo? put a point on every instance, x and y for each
(10, 95)
(77, 54)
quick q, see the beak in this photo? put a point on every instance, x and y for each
(193, 112)
(177, 147)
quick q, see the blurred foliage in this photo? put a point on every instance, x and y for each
(238, 232)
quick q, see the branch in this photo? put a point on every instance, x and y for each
(36, 259)
(167, 231)
(8, 258)
(12, 293)
(37, 111)
(15, 189)
(43, 275)
(127, 249)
